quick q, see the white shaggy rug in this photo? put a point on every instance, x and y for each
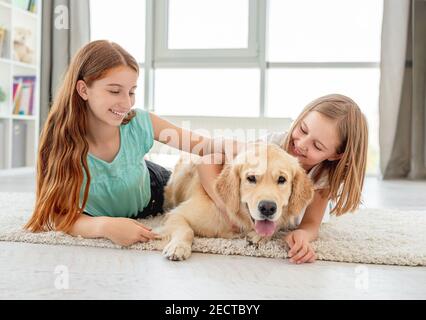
(375, 236)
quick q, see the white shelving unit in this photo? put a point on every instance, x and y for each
(19, 133)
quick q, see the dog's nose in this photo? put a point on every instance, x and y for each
(267, 208)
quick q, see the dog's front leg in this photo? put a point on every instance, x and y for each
(181, 237)
(255, 239)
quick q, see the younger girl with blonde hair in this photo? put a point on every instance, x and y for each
(330, 140)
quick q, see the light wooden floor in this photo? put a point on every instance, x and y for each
(29, 271)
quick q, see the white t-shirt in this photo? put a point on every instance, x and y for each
(322, 183)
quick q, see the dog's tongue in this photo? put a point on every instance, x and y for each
(264, 228)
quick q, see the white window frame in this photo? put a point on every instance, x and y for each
(165, 57)
(157, 56)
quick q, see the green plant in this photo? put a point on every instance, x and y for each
(2, 95)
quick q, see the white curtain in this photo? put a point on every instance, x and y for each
(402, 101)
(66, 28)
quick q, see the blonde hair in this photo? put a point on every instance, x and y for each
(346, 175)
(62, 154)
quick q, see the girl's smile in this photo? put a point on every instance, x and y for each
(118, 114)
(294, 151)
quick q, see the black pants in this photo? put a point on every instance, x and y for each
(159, 177)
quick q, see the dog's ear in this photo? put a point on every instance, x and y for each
(227, 186)
(301, 194)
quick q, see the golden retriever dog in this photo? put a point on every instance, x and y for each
(263, 189)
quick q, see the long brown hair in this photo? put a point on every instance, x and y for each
(346, 175)
(63, 149)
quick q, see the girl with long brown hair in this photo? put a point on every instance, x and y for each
(330, 140)
(92, 179)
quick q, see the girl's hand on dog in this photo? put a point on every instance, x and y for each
(125, 231)
(300, 249)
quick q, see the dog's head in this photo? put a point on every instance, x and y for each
(269, 182)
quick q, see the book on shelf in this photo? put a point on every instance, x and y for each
(3, 101)
(23, 95)
(3, 35)
(28, 5)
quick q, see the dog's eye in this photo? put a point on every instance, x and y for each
(251, 179)
(281, 180)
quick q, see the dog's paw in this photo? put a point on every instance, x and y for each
(177, 251)
(255, 240)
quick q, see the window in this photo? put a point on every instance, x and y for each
(207, 92)
(122, 22)
(291, 89)
(205, 30)
(324, 31)
(322, 47)
(201, 30)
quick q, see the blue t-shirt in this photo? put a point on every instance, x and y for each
(121, 188)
